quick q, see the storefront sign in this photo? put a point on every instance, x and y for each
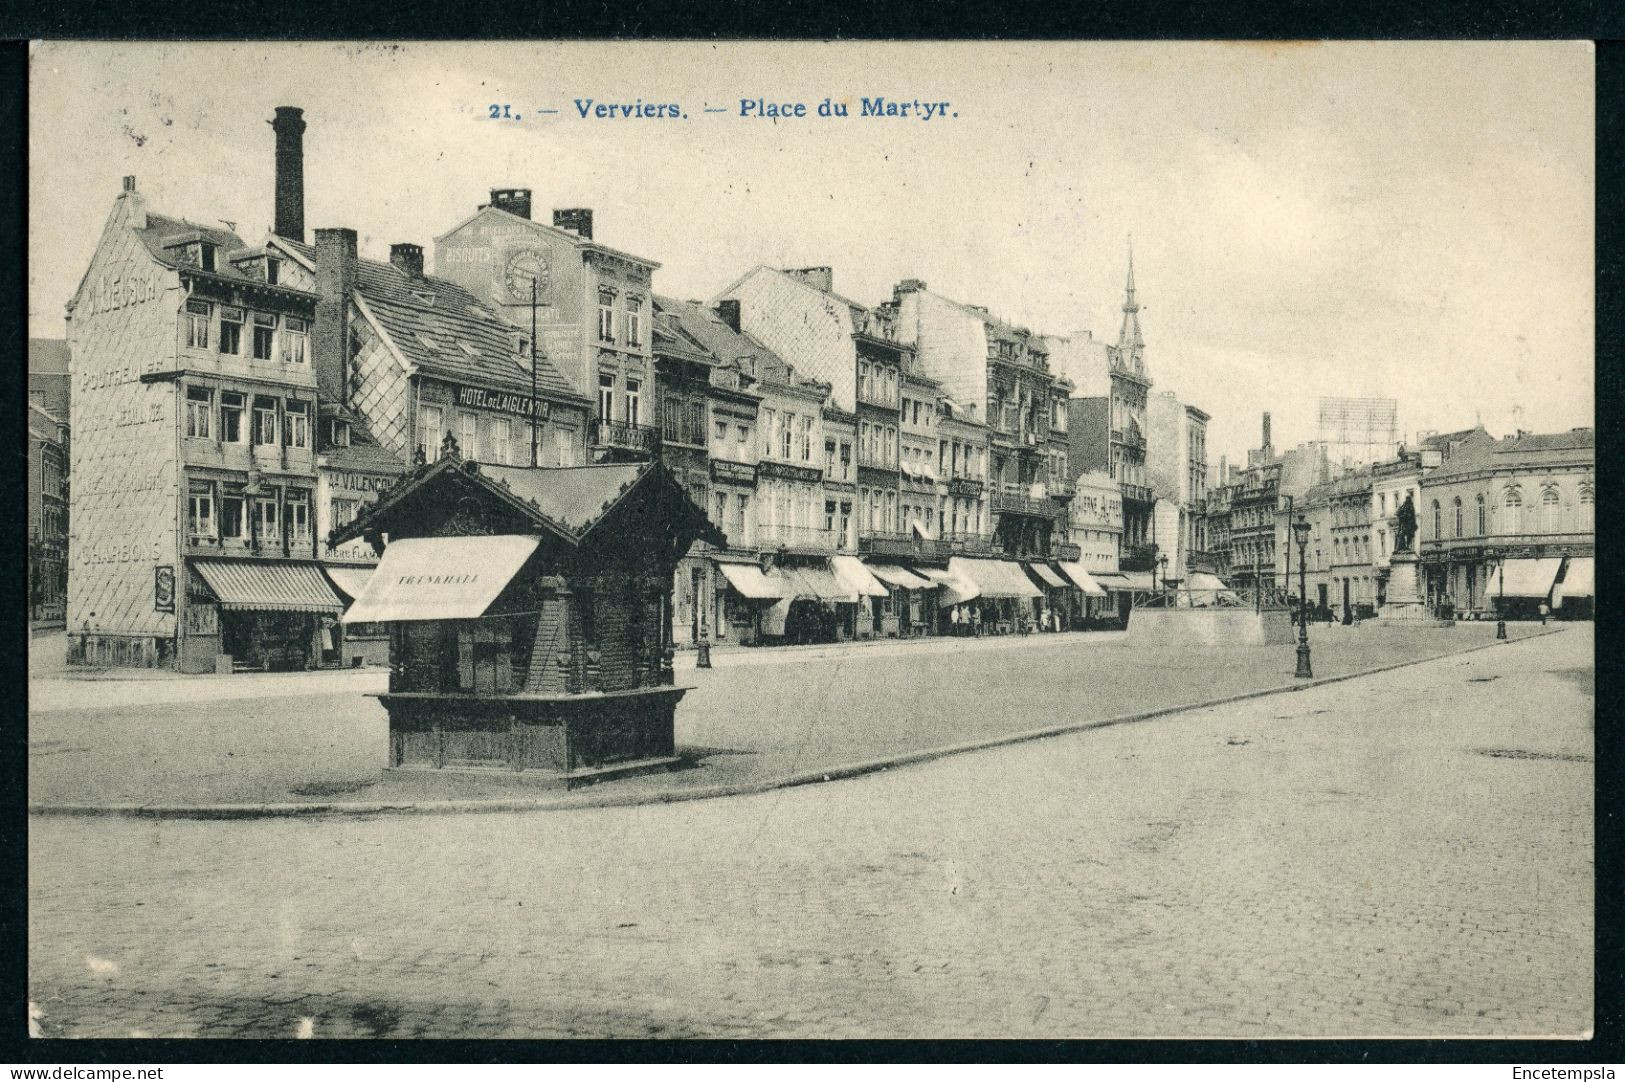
(742, 473)
(479, 398)
(163, 588)
(806, 474)
(359, 482)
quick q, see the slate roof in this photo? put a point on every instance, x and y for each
(1513, 452)
(432, 330)
(48, 356)
(364, 454)
(575, 497)
(48, 374)
(705, 331)
(162, 228)
(1578, 439)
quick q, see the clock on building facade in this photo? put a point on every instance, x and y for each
(525, 266)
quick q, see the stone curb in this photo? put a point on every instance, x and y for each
(811, 777)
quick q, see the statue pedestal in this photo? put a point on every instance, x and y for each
(1405, 604)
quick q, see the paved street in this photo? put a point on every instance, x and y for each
(760, 714)
(1406, 854)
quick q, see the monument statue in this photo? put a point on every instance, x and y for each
(1405, 527)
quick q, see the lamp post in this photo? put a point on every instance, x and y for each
(1300, 530)
(1500, 592)
(1162, 562)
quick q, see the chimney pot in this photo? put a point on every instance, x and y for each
(407, 258)
(577, 220)
(289, 126)
(515, 201)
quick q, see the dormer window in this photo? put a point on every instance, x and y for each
(523, 346)
(338, 432)
(273, 270)
(423, 297)
(205, 255)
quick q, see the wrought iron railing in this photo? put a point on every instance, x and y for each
(624, 436)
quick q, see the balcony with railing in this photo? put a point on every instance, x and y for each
(1137, 493)
(1138, 558)
(1128, 439)
(622, 436)
(1066, 551)
(1019, 500)
(796, 538)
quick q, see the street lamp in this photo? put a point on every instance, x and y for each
(1499, 559)
(1300, 530)
(1162, 562)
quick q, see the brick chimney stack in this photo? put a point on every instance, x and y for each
(407, 258)
(335, 282)
(577, 220)
(820, 278)
(289, 126)
(1266, 429)
(728, 312)
(513, 200)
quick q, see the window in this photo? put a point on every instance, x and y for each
(1588, 502)
(805, 438)
(343, 512)
(767, 420)
(501, 452)
(298, 414)
(338, 432)
(199, 405)
(606, 315)
(205, 256)
(265, 519)
(295, 341)
(298, 516)
(273, 270)
(264, 335)
(743, 437)
(829, 457)
(431, 426)
(606, 396)
(231, 330)
(1549, 511)
(564, 446)
(634, 396)
(197, 324)
(1458, 516)
(742, 511)
(1482, 521)
(1438, 527)
(786, 434)
(232, 521)
(468, 435)
(846, 461)
(634, 321)
(265, 422)
(200, 511)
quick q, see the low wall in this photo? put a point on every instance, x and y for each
(1210, 627)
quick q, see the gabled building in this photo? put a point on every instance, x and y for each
(194, 415)
(591, 306)
(980, 359)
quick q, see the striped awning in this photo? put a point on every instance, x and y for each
(1527, 578)
(901, 577)
(269, 586)
(1047, 576)
(1580, 580)
(819, 584)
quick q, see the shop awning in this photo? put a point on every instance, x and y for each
(351, 581)
(440, 578)
(1082, 579)
(819, 584)
(752, 582)
(1048, 577)
(955, 590)
(1124, 581)
(1580, 580)
(269, 586)
(994, 578)
(901, 577)
(1526, 578)
(851, 573)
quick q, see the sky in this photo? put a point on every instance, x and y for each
(1398, 220)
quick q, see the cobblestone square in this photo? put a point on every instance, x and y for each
(1402, 854)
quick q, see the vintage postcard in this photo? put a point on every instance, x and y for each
(771, 540)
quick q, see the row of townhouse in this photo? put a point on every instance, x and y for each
(1501, 525)
(877, 470)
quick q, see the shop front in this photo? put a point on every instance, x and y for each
(259, 616)
(1054, 610)
(999, 590)
(913, 599)
(1574, 596)
(1092, 596)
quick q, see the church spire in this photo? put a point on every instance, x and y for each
(1129, 341)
